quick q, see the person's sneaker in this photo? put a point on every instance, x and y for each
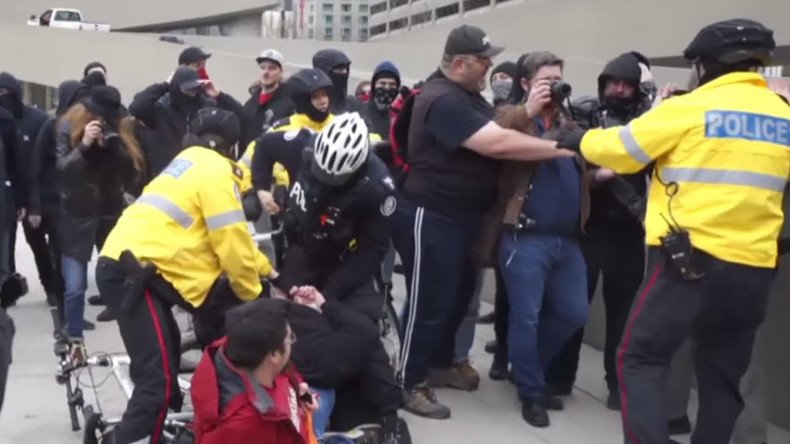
(613, 400)
(680, 426)
(461, 376)
(491, 346)
(88, 325)
(499, 367)
(96, 299)
(422, 401)
(106, 315)
(394, 430)
(487, 318)
(534, 412)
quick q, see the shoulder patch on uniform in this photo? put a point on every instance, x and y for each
(388, 183)
(388, 206)
(177, 167)
(281, 122)
(290, 135)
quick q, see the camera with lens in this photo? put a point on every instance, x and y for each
(109, 135)
(560, 90)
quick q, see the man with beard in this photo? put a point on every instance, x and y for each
(268, 102)
(613, 244)
(166, 109)
(28, 123)
(337, 66)
(385, 85)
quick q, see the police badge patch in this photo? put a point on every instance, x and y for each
(290, 135)
(388, 206)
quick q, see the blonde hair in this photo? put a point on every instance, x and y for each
(78, 116)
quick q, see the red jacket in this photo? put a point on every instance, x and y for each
(231, 408)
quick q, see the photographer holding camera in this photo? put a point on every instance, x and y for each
(98, 159)
(544, 206)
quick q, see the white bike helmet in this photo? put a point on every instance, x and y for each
(340, 149)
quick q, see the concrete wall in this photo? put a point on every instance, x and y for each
(245, 26)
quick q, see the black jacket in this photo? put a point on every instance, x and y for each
(91, 183)
(28, 124)
(378, 121)
(160, 108)
(332, 347)
(321, 222)
(257, 118)
(43, 192)
(10, 165)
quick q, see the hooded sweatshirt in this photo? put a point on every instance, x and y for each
(340, 102)
(377, 109)
(42, 185)
(28, 124)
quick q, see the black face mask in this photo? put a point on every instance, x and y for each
(621, 106)
(8, 102)
(383, 97)
(339, 86)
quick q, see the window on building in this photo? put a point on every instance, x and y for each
(329, 20)
(363, 20)
(310, 19)
(378, 8)
(328, 33)
(378, 29)
(399, 23)
(470, 5)
(346, 19)
(329, 7)
(345, 34)
(445, 11)
(345, 7)
(423, 17)
(396, 3)
(363, 34)
(363, 9)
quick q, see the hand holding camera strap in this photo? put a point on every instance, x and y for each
(677, 242)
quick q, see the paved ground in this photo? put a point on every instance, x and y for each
(35, 409)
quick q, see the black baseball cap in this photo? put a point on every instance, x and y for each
(193, 54)
(470, 40)
(733, 41)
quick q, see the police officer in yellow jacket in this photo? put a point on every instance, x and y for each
(721, 162)
(182, 234)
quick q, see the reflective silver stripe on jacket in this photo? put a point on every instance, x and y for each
(246, 161)
(224, 219)
(632, 146)
(729, 177)
(168, 207)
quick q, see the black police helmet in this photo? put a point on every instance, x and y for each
(733, 41)
(216, 122)
(306, 82)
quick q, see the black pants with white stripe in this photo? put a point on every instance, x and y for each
(440, 280)
(152, 340)
(721, 312)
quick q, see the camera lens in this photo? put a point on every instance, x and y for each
(560, 90)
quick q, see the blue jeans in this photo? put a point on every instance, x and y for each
(326, 402)
(465, 336)
(546, 283)
(75, 280)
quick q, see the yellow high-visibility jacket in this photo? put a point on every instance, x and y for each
(727, 146)
(295, 122)
(189, 223)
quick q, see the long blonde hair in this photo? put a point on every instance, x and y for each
(78, 116)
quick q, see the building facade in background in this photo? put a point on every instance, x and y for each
(333, 20)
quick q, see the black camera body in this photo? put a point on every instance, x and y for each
(108, 134)
(560, 90)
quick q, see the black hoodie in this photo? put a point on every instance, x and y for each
(28, 124)
(165, 111)
(42, 185)
(339, 102)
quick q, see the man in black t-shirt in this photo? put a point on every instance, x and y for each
(453, 151)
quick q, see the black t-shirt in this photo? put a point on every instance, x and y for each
(444, 176)
(451, 120)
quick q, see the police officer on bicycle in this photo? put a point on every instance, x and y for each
(336, 226)
(171, 247)
(714, 214)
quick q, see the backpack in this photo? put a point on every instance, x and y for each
(399, 133)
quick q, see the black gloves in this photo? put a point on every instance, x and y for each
(572, 140)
